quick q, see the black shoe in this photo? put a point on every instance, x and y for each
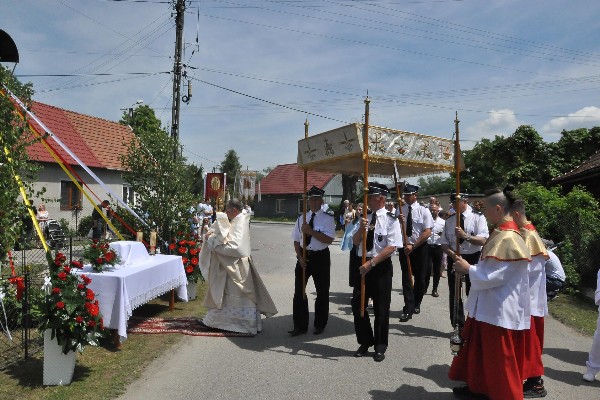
(296, 332)
(417, 310)
(362, 350)
(405, 317)
(463, 392)
(534, 388)
(318, 331)
(378, 357)
(435, 293)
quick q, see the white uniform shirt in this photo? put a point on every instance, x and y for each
(323, 223)
(386, 233)
(204, 211)
(554, 267)
(421, 220)
(475, 225)
(437, 231)
(500, 293)
(537, 286)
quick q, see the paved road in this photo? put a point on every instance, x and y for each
(274, 366)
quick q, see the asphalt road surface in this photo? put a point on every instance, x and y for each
(273, 365)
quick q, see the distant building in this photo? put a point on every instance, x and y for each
(283, 188)
(587, 174)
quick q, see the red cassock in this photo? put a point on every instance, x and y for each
(498, 374)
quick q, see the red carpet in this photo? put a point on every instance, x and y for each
(185, 326)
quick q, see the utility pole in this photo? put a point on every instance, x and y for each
(180, 10)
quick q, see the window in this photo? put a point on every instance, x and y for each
(128, 196)
(279, 205)
(70, 196)
(301, 206)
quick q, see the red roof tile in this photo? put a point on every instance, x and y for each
(589, 167)
(96, 142)
(289, 179)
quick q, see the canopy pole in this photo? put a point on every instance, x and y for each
(304, 213)
(455, 339)
(365, 200)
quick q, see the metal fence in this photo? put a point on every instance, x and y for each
(21, 294)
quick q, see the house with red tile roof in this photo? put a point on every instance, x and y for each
(587, 174)
(97, 142)
(282, 190)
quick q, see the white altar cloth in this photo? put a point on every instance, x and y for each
(129, 252)
(120, 290)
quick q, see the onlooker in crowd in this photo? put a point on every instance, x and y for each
(435, 247)
(351, 220)
(593, 362)
(383, 236)
(499, 311)
(472, 232)
(42, 217)
(98, 223)
(555, 274)
(418, 222)
(319, 229)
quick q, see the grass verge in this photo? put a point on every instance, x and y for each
(101, 372)
(576, 311)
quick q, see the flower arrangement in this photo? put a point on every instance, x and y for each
(188, 247)
(70, 308)
(99, 254)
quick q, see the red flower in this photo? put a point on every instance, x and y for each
(79, 319)
(60, 305)
(182, 242)
(194, 261)
(56, 290)
(92, 324)
(172, 246)
(62, 276)
(100, 260)
(182, 250)
(85, 279)
(184, 260)
(92, 309)
(191, 243)
(89, 294)
(193, 251)
(67, 270)
(80, 286)
(101, 323)
(110, 256)
(76, 264)
(189, 269)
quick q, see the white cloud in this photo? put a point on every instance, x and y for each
(499, 122)
(587, 117)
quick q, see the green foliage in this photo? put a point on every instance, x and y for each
(231, 165)
(157, 176)
(572, 219)
(84, 225)
(436, 184)
(14, 139)
(64, 224)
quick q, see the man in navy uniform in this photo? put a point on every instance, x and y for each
(383, 237)
(418, 223)
(319, 228)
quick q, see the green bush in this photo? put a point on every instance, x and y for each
(85, 224)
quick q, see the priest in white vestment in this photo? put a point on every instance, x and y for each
(236, 296)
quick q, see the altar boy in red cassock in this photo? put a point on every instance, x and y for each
(534, 367)
(493, 355)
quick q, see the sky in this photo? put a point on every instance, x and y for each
(260, 68)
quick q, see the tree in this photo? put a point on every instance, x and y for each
(435, 185)
(194, 176)
(573, 148)
(14, 160)
(231, 165)
(160, 182)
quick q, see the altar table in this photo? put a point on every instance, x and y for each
(122, 289)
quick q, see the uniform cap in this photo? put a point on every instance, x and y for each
(410, 189)
(376, 188)
(315, 192)
(463, 196)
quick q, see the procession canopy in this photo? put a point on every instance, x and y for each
(341, 151)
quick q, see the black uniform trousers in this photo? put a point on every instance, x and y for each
(378, 286)
(319, 267)
(421, 270)
(435, 259)
(471, 259)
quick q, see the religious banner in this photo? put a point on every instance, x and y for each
(341, 150)
(247, 184)
(214, 185)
